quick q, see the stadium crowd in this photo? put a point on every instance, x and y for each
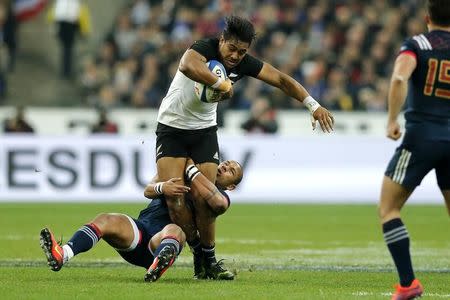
(341, 51)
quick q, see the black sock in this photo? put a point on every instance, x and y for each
(168, 241)
(196, 247)
(397, 239)
(209, 254)
(85, 238)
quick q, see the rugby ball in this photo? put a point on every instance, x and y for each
(206, 93)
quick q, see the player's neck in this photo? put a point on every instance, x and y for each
(432, 27)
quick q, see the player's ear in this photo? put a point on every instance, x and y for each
(427, 19)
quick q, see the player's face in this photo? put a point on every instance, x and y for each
(228, 173)
(232, 51)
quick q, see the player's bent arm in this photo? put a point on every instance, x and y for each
(193, 65)
(403, 68)
(204, 190)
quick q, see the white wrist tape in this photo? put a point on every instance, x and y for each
(192, 172)
(311, 104)
(159, 188)
(218, 82)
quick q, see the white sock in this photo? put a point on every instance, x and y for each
(68, 253)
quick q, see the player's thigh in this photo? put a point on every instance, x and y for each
(170, 167)
(209, 170)
(117, 229)
(204, 147)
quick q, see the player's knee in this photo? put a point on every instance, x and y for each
(383, 211)
(105, 222)
(174, 231)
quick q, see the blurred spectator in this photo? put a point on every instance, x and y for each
(9, 30)
(335, 49)
(3, 50)
(71, 17)
(17, 123)
(262, 117)
(104, 125)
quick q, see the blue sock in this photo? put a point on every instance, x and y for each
(397, 240)
(85, 238)
(168, 241)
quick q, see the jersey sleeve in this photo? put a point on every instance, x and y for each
(251, 66)
(409, 47)
(205, 48)
(226, 196)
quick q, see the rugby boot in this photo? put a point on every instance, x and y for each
(52, 249)
(199, 270)
(413, 291)
(216, 271)
(161, 263)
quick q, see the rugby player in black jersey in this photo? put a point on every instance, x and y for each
(187, 126)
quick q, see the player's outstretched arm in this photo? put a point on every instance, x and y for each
(294, 89)
(170, 188)
(403, 69)
(193, 65)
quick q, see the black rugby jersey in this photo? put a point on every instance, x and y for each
(249, 66)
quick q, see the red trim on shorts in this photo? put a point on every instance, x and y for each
(409, 52)
(97, 230)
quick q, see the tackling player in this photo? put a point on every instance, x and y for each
(422, 75)
(187, 127)
(151, 241)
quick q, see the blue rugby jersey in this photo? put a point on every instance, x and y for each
(428, 102)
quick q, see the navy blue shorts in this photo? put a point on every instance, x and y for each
(151, 220)
(412, 161)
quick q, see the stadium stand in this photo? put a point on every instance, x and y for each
(341, 51)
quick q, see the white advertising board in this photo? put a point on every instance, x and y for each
(333, 169)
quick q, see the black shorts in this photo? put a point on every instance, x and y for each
(200, 145)
(412, 161)
(150, 221)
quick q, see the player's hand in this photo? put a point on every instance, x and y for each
(325, 118)
(174, 187)
(225, 86)
(393, 130)
(226, 95)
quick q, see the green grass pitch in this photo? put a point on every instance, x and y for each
(278, 252)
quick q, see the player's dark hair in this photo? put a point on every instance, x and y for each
(239, 28)
(439, 11)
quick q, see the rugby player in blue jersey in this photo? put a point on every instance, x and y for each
(152, 240)
(421, 75)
